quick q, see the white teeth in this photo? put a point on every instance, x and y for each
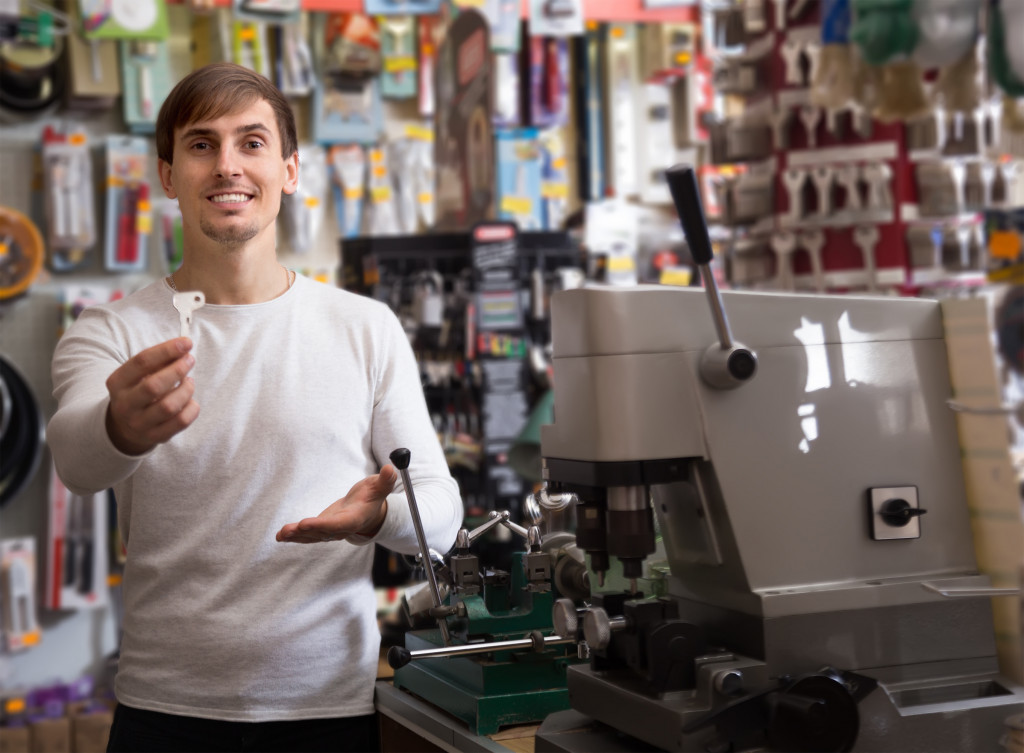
(229, 198)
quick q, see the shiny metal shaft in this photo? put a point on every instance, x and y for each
(486, 648)
(421, 537)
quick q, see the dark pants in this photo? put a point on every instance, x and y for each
(137, 731)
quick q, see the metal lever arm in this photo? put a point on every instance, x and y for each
(726, 364)
(400, 459)
(498, 517)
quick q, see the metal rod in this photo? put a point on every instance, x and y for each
(717, 307)
(515, 527)
(401, 460)
(486, 648)
(484, 527)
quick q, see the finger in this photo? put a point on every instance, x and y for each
(309, 531)
(337, 522)
(150, 388)
(145, 426)
(340, 523)
(148, 361)
(176, 423)
(386, 479)
(380, 486)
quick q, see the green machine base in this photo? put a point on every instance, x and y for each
(489, 691)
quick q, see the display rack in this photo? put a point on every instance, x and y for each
(847, 213)
(482, 377)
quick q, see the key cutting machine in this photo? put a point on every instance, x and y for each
(493, 659)
(823, 591)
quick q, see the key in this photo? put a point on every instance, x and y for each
(792, 54)
(794, 179)
(865, 237)
(848, 176)
(187, 302)
(813, 52)
(878, 175)
(963, 239)
(784, 245)
(780, 14)
(780, 128)
(753, 16)
(958, 174)
(823, 178)
(812, 241)
(833, 123)
(810, 116)
(988, 177)
(862, 122)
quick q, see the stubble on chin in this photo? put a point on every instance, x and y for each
(229, 236)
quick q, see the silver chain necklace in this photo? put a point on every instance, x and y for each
(287, 277)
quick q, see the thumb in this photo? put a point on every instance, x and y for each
(386, 480)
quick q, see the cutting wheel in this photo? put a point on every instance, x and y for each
(21, 253)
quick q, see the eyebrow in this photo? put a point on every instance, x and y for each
(208, 132)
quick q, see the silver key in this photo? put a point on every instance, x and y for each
(186, 302)
(865, 237)
(784, 244)
(813, 241)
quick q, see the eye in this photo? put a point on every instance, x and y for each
(200, 146)
(253, 144)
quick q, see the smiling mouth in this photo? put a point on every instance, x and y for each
(230, 198)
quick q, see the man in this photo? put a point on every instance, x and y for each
(235, 637)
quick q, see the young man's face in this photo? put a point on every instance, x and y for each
(228, 175)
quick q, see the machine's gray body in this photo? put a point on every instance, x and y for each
(775, 543)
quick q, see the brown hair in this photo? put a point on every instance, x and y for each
(220, 89)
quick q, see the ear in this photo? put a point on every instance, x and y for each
(291, 181)
(165, 179)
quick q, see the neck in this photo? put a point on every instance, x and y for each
(243, 286)
(246, 274)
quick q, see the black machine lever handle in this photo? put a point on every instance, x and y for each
(682, 184)
(727, 364)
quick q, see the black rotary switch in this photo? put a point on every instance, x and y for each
(899, 512)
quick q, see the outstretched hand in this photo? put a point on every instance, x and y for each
(151, 397)
(361, 512)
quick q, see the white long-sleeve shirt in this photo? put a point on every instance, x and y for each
(300, 397)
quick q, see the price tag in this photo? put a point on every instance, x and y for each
(1004, 244)
(554, 190)
(516, 205)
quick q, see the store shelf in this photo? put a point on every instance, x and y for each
(593, 10)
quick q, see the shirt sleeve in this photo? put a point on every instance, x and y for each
(85, 458)
(401, 420)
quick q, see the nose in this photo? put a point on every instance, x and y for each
(226, 164)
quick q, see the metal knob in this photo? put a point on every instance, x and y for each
(564, 618)
(729, 682)
(597, 629)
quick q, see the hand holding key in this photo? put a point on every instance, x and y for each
(151, 397)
